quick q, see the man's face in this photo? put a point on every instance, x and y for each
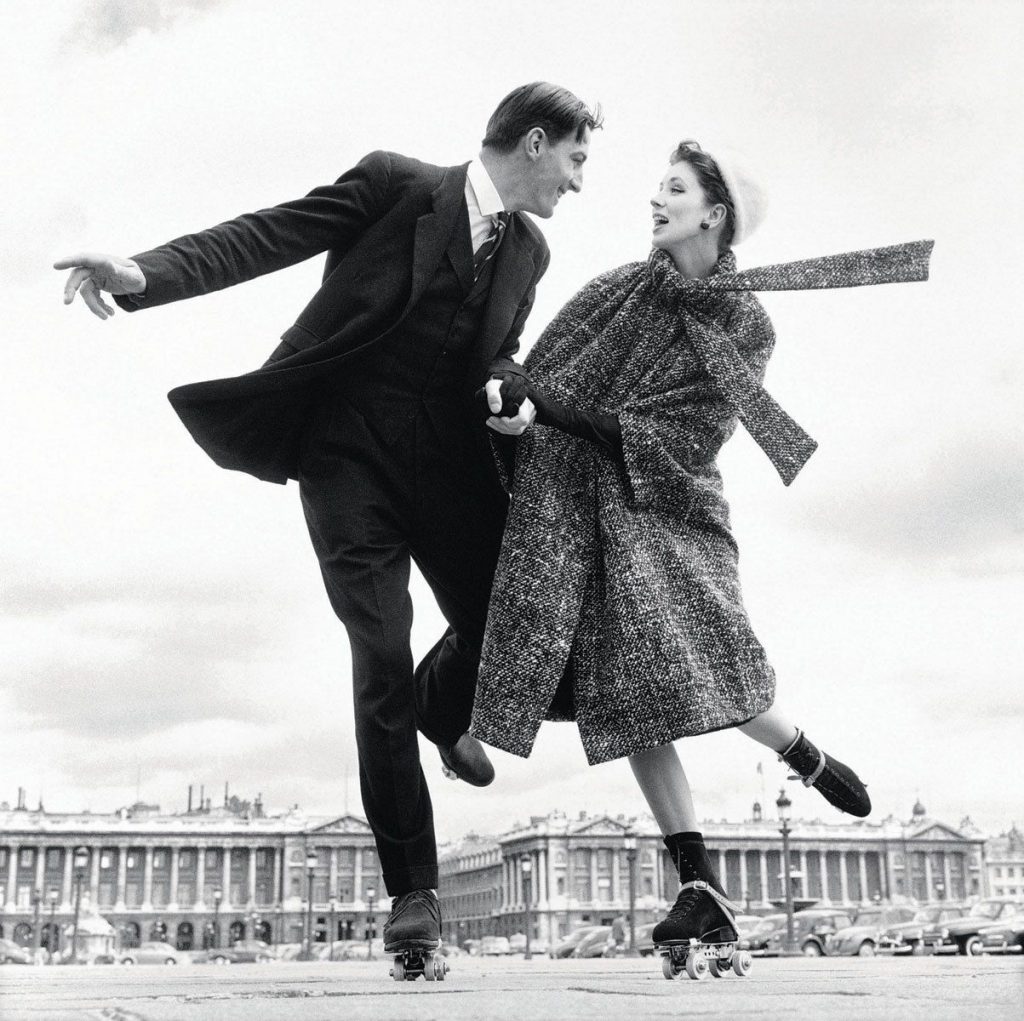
(556, 169)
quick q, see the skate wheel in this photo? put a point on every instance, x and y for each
(429, 971)
(696, 964)
(440, 969)
(668, 968)
(715, 967)
(741, 963)
(398, 970)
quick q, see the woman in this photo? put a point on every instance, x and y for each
(616, 600)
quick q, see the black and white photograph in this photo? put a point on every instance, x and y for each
(512, 502)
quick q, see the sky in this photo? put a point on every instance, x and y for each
(163, 621)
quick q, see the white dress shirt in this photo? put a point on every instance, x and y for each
(483, 202)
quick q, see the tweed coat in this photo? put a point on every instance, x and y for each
(627, 578)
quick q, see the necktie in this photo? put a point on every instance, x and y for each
(489, 245)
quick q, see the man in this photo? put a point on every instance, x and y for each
(367, 402)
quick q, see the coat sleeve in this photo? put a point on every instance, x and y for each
(329, 217)
(679, 423)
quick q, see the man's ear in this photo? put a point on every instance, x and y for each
(533, 143)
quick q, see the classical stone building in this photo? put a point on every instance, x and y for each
(204, 877)
(578, 869)
(1005, 860)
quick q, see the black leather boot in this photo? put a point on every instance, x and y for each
(700, 913)
(839, 785)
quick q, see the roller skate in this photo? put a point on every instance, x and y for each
(839, 785)
(699, 935)
(412, 934)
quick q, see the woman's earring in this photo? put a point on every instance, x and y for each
(704, 225)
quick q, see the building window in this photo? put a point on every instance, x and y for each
(3, 857)
(54, 859)
(26, 858)
(185, 859)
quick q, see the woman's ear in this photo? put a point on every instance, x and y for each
(717, 214)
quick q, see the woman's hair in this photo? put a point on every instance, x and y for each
(539, 105)
(711, 181)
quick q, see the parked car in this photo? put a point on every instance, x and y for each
(517, 944)
(861, 939)
(594, 943)
(1006, 936)
(151, 953)
(922, 931)
(12, 953)
(644, 940)
(494, 946)
(471, 946)
(962, 935)
(358, 950)
(566, 946)
(244, 951)
(812, 928)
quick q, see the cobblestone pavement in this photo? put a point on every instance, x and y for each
(904, 989)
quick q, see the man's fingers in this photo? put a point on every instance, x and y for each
(493, 390)
(88, 259)
(76, 278)
(92, 298)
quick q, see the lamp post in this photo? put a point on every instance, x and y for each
(371, 894)
(330, 932)
(310, 866)
(527, 867)
(630, 844)
(81, 859)
(279, 923)
(218, 896)
(53, 942)
(37, 933)
(783, 804)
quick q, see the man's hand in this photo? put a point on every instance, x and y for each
(516, 425)
(93, 272)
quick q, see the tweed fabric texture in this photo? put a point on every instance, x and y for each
(633, 574)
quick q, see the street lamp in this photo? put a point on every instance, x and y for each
(279, 923)
(629, 841)
(783, 804)
(37, 900)
(330, 932)
(527, 866)
(311, 860)
(81, 859)
(371, 893)
(53, 941)
(218, 896)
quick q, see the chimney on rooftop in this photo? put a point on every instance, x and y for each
(225, 794)
(190, 799)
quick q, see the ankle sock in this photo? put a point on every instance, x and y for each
(692, 859)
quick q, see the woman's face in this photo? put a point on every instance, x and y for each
(678, 207)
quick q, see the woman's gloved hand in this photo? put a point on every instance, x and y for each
(513, 392)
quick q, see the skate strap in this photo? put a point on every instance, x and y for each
(809, 781)
(726, 905)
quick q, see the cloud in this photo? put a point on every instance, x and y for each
(963, 508)
(107, 24)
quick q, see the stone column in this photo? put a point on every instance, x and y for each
(617, 892)
(929, 892)
(12, 875)
(277, 895)
(252, 878)
(172, 896)
(721, 872)
(357, 875)
(862, 861)
(765, 889)
(40, 868)
(201, 876)
(744, 890)
(826, 894)
(844, 881)
(804, 886)
(147, 880)
(332, 875)
(122, 878)
(947, 875)
(67, 892)
(94, 875)
(225, 875)
(594, 893)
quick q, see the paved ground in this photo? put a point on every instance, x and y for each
(904, 989)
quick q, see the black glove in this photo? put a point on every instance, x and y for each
(513, 392)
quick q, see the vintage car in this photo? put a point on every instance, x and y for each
(962, 936)
(154, 952)
(1003, 937)
(595, 943)
(244, 951)
(812, 928)
(565, 946)
(861, 938)
(12, 953)
(922, 931)
(494, 946)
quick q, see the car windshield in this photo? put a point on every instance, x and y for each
(868, 918)
(987, 909)
(769, 924)
(927, 915)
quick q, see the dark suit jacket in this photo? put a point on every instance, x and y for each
(385, 225)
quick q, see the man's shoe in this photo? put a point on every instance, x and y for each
(467, 760)
(414, 923)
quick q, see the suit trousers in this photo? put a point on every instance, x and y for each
(372, 507)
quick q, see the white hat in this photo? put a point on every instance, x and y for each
(749, 199)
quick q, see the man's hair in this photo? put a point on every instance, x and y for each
(539, 105)
(711, 181)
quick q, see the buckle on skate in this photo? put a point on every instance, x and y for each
(809, 781)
